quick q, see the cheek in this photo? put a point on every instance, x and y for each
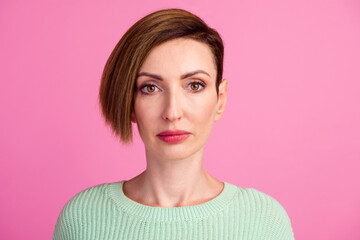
(145, 113)
(205, 109)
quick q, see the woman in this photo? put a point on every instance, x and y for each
(165, 75)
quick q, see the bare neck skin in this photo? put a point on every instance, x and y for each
(173, 183)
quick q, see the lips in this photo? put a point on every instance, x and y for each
(173, 136)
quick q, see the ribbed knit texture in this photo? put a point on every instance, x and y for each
(105, 212)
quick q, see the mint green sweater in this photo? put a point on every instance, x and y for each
(104, 212)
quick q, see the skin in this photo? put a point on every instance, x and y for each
(174, 175)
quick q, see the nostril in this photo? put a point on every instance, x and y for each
(172, 114)
(172, 117)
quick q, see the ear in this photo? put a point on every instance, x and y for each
(222, 98)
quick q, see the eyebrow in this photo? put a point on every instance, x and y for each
(186, 75)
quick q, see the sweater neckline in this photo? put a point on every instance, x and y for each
(146, 212)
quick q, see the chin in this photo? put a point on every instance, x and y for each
(177, 152)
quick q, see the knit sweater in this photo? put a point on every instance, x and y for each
(105, 212)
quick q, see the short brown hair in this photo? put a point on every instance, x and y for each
(116, 94)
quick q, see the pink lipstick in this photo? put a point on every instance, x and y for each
(173, 136)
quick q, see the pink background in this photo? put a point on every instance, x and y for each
(291, 127)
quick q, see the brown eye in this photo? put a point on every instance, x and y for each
(195, 86)
(150, 88)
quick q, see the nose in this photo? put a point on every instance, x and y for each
(172, 107)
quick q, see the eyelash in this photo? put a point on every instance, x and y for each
(200, 83)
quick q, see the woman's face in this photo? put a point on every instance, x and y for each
(176, 91)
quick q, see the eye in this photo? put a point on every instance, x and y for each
(196, 86)
(149, 88)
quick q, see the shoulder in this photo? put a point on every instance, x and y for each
(87, 197)
(262, 200)
(77, 211)
(89, 194)
(267, 210)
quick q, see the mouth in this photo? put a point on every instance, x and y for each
(173, 136)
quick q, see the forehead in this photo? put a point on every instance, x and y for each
(177, 56)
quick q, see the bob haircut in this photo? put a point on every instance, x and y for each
(117, 88)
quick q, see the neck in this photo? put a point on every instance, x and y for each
(173, 183)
